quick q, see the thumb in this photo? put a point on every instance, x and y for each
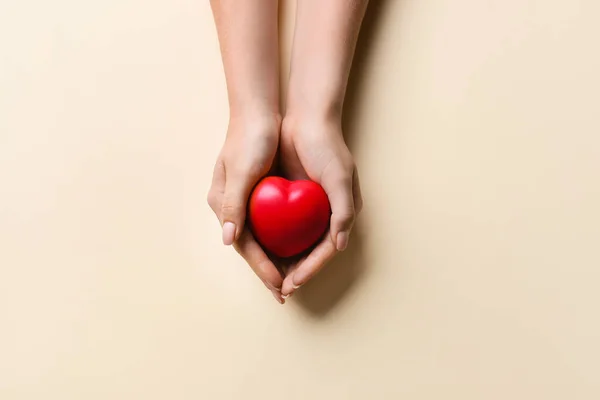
(338, 187)
(233, 208)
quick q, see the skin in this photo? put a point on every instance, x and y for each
(308, 140)
(248, 39)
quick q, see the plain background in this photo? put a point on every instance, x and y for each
(473, 272)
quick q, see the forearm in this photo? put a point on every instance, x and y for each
(324, 43)
(248, 39)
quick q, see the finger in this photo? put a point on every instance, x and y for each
(262, 266)
(288, 271)
(233, 206)
(278, 297)
(338, 186)
(290, 267)
(308, 268)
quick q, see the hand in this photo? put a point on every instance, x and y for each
(246, 156)
(314, 148)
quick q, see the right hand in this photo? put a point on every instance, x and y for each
(247, 156)
(313, 147)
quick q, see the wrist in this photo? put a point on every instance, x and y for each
(249, 108)
(316, 89)
(256, 123)
(313, 110)
(306, 102)
(310, 123)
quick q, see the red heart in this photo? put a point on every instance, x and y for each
(288, 217)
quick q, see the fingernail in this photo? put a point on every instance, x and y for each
(297, 277)
(285, 296)
(278, 298)
(228, 233)
(342, 241)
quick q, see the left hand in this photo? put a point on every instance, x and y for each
(314, 148)
(247, 155)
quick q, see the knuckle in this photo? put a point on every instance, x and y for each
(212, 200)
(343, 219)
(231, 209)
(228, 208)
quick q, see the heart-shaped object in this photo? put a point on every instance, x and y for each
(288, 217)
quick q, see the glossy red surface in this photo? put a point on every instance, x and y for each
(288, 217)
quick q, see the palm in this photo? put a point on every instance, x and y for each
(307, 152)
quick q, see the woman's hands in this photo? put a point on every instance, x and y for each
(247, 155)
(311, 141)
(309, 148)
(314, 148)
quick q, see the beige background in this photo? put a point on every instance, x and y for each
(474, 271)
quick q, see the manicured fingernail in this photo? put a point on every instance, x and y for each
(228, 233)
(278, 298)
(342, 241)
(286, 296)
(296, 286)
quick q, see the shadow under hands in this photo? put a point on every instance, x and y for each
(319, 296)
